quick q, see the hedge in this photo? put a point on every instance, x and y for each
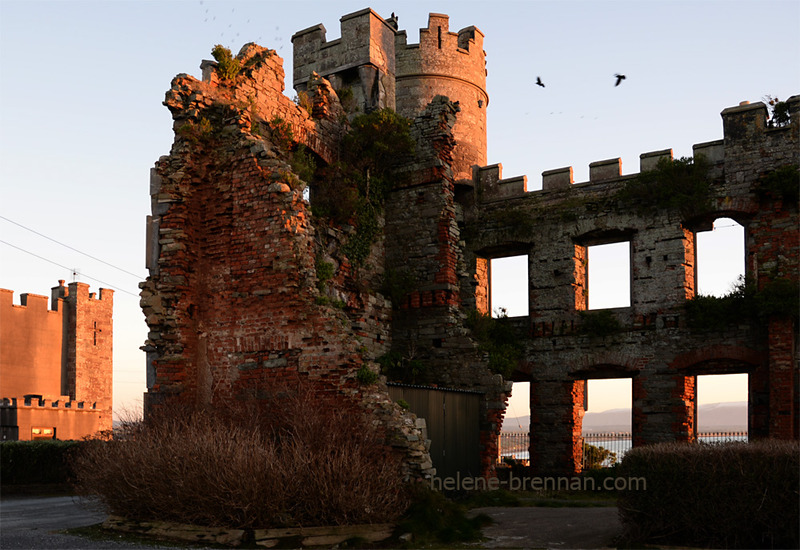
(732, 495)
(36, 462)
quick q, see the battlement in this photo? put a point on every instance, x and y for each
(745, 128)
(37, 401)
(367, 39)
(437, 36)
(28, 301)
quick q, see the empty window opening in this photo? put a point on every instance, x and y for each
(722, 407)
(509, 286)
(514, 438)
(720, 257)
(609, 275)
(609, 402)
(606, 426)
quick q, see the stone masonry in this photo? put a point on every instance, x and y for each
(236, 304)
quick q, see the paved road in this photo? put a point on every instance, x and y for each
(534, 527)
(35, 522)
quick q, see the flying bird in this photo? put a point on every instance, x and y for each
(620, 78)
(539, 82)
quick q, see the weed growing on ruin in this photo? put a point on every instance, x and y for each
(347, 100)
(303, 100)
(304, 163)
(744, 303)
(227, 65)
(399, 368)
(366, 376)
(282, 133)
(781, 184)
(779, 115)
(680, 185)
(600, 323)
(325, 272)
(397, 283)
(197, 132)
(498, 337)
(353, 190)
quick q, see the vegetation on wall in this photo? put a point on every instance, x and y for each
(681, 184)
(599, 323)
(353, 190)
(406, 369)
(227, 65)
(744, 303)
(781, 184)
(397, 283)
(499, 338)
(779, 112)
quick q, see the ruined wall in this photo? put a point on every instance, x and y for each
(235, 307)
(423, 242)
(235, 303)
(653, 344)
(63, 355)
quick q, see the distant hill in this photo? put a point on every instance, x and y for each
(713, 417)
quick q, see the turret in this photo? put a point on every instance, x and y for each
(362, 61)
(453, 65)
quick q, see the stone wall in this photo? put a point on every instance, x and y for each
(235, 307)
(654, 345)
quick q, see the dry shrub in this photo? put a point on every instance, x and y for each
(732, 495)
(296, 459)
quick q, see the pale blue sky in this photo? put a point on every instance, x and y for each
(81, 120)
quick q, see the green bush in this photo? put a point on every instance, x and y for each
(733, 495)
(35, 462)
(227, 65)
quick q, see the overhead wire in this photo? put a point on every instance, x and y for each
(70, 269)
(139, 277)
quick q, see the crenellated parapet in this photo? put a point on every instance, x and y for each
(362, 60)
(39, 402)
(748, 141)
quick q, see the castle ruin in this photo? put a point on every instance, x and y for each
(237, 301)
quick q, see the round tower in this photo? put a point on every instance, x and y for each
(453, 65)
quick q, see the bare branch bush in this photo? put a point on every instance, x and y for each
(298, 458)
